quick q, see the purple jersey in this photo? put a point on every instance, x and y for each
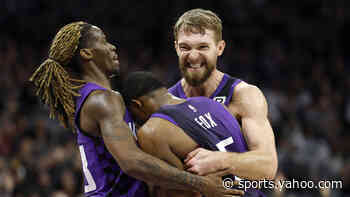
(222, 94)
(209, 124)
(102, 174)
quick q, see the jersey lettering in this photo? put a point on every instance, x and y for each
(212, 122)
(205, 121)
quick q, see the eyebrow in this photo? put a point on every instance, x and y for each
(182, 43)
(201, 43)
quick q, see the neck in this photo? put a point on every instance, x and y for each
(205, 89)
(96, 76)
(169, 99)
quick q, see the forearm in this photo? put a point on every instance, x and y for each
(153, 170)
(136, 163)
(252, 165)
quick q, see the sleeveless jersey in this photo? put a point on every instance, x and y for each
(222, 94)
(209, 124)
(102, 175)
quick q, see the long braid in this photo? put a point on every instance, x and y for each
(53, 84)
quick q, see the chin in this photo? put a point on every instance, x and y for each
(195, 80)
(115, 72)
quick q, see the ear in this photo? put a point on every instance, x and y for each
(137, 110)
(86, 54)
(220, 47)
(135, 107)
(136, 103)
(176, 46)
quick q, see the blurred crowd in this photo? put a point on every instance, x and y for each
(293, 50)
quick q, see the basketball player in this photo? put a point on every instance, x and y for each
(177, 126)
(198, 43)
(74, 83)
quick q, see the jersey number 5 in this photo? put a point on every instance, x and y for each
(222, 144)
(91, 185)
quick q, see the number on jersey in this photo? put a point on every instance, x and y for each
(222, 144)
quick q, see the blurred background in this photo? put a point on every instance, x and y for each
(294, 51)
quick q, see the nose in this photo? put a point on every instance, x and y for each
(193, 56)
(114, 48)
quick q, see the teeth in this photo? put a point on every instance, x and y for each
(195, 65)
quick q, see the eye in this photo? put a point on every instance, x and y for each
(204, 47)
(183, 48)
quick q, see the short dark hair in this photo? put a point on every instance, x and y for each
(138, 84)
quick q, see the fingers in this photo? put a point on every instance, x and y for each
(231, 191)
(190, 163)
(234, 192)
(197, 171)
(202, 170)
(233, 195)
(192, 154)
(194, 170)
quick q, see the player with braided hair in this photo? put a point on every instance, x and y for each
(74, 83)
(54, 85)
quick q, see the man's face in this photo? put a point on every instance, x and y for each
(104, 53)
(197, 54)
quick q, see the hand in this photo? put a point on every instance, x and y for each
(215, 186)
(203, 162)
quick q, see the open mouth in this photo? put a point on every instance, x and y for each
(115, 58)
(195, 66)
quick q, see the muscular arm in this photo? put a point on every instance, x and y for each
(260, 162)
(107, 110)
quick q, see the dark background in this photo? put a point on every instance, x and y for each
(294, 51)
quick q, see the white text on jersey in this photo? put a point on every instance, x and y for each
(206, 121)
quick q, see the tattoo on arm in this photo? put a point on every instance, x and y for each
(170, 177)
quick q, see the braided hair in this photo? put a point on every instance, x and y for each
(54, 86)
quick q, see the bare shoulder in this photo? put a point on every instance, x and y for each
(165, 140)
(162, 132)
(155, 129)
(101, 101)
(248, 98)
(244, 89)
(153, 135)
(99, 106)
